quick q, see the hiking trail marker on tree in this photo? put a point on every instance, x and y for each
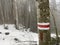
(43, 26)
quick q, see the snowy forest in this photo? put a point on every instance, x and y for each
(18, 22)
(21, 13)
(19, 18)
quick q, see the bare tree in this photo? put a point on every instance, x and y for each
(16, 12)
(54, 7)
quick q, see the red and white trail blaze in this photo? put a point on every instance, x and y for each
(43, 26)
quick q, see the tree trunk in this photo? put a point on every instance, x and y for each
(44, 34)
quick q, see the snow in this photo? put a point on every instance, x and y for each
(54, 35)
(4, 42)
(23, 37)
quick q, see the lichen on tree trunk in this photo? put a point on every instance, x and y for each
(44, 18)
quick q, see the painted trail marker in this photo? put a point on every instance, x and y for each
(43, 26)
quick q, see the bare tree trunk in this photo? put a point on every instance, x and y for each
(54, 7)
(17, 21)
(1, 13)
(44, 33)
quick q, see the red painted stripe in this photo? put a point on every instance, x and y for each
(43, 26)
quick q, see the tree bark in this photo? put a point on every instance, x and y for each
(44, 35)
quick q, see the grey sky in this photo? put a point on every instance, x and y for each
(57, 0)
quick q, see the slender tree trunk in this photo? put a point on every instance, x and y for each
(2, 12)
(16, 13)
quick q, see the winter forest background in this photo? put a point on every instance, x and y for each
(24, 13)
(24, 9)
(18, 22)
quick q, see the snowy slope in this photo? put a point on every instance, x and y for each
(17, 37)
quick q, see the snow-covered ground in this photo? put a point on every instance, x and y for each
(13, 36)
